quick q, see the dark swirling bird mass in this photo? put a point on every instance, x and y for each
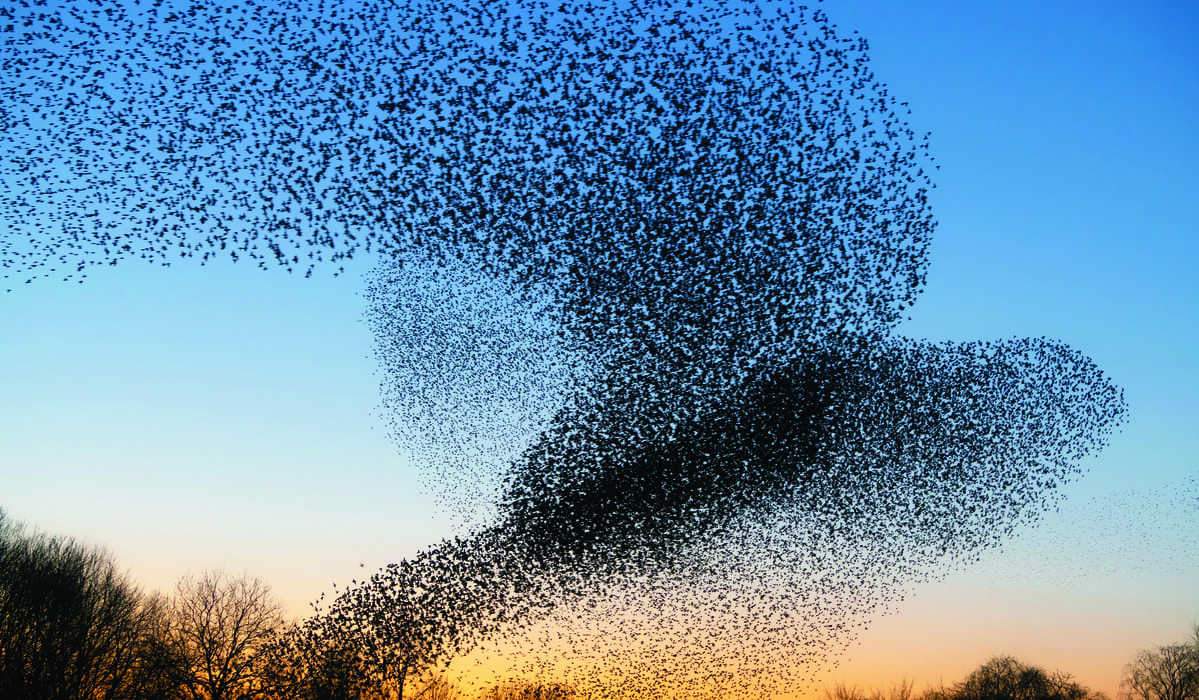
(711, 215)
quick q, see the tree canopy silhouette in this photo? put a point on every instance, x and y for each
(1169, 672)
(72, 627)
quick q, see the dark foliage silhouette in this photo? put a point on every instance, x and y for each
(1005, 678)
(1168, 672)
(74, 628)
(723, 214)
(1000, 678)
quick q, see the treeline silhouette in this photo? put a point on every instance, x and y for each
(73, 627)
(1000, 678)
(1169, 672)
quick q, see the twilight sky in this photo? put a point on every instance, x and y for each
(194, 417)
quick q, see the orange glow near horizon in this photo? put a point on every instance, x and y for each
(936, 639)
(1090, 629)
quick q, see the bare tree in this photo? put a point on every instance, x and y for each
(902, 690)
(72, 626)
(1166, 673)
(221, 625)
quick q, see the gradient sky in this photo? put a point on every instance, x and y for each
(196, 418)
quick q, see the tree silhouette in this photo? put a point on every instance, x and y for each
(1005, 678)
(221, 625)
(72, 627)
(1168, 672)
(1000, 678)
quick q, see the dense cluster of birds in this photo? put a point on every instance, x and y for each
(642, 263)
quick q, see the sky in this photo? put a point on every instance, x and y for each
(225, 417)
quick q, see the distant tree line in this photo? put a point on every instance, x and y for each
(1165, 673)
(73, 627)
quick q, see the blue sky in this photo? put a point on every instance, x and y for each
(1065, 196)
(227, 417)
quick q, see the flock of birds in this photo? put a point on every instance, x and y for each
(643, 260)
